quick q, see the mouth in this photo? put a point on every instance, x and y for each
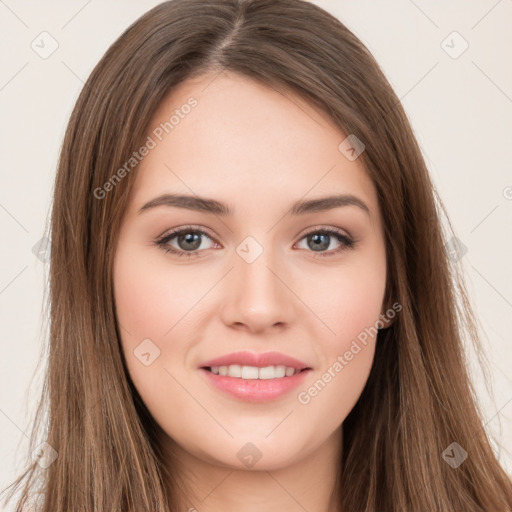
(254, 377)
(254, 384)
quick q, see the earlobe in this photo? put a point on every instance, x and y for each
(386, 318)
(383, 323)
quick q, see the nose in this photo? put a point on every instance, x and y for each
(257, 295)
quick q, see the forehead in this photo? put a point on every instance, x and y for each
(246, 144)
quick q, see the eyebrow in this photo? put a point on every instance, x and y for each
(207, 205)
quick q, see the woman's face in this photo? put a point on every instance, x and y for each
(268, 276)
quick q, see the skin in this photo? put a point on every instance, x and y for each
(257, 150)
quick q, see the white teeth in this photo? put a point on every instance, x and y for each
(253, 372)
(249, 372)
(266, 373)
(234, 370)
(289, 372)
(280, 371)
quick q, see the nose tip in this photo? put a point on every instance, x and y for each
(258, 299)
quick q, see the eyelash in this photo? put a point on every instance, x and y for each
(346, 242)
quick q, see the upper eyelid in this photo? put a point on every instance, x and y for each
(173, 232)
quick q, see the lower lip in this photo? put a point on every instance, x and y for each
(255, 390)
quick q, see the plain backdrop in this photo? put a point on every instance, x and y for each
(449, 63)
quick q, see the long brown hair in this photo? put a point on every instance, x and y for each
(418, 399)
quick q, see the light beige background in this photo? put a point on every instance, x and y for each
(460, 109)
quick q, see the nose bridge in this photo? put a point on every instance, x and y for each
(257, 295)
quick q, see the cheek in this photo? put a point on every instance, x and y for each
(156, 307)
(346, 353)
(149, 302)
(347, 300)
(144, 303)
(149, 298)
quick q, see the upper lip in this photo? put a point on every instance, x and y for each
(245, 358)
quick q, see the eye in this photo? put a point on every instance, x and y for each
(321, 238)
(189, 241)
(188, 237)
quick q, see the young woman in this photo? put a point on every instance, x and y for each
(251, 303)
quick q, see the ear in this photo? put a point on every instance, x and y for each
(389, 314)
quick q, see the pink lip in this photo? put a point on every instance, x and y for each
(255, 390)
(245, 358)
